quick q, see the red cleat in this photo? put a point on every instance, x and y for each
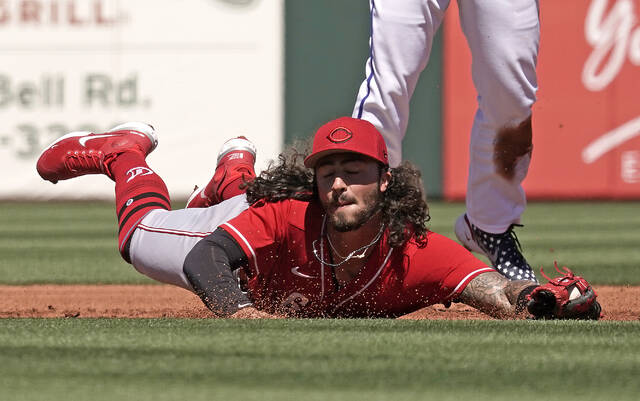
(80, 153)
(235, 165)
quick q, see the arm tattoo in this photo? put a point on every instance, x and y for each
(496, 295)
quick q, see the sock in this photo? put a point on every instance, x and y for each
(224, 185)
(233, 188)
(139, 190)
(228, 183)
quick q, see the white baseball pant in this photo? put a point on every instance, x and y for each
(163, 239)
(503, 36)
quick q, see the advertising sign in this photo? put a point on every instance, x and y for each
(199, 71)
(586, 123)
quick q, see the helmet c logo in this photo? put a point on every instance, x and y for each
(340, 135)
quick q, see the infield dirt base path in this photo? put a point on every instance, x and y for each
(154, 301)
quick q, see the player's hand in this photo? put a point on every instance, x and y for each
(252, 313)
(565, 297)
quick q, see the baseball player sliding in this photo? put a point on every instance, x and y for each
(503, 37)
(342, 236)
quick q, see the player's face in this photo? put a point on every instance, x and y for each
(350, 187)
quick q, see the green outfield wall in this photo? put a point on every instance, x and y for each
(326, 46)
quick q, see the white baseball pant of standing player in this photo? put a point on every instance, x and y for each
(503, 37)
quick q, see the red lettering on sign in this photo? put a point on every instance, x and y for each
(58, 12)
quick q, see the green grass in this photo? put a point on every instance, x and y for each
(61, 242)
(75, 242)
(174, 359)
(139, 359)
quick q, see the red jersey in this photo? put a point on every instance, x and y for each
(284, 274)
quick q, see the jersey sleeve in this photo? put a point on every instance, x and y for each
(259, 231)
(442, 269)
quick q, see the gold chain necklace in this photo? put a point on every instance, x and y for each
(351, 255)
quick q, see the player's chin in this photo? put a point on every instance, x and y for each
(343, 221)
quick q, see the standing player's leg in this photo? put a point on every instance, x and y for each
(234, 167)
(399, 47)
(503, 36)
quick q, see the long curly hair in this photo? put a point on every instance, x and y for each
(403, 205)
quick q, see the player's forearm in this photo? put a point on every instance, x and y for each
(497, 296)
(208, 269)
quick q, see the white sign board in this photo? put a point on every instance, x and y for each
(200, 71)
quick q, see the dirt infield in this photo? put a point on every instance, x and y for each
(153, 301)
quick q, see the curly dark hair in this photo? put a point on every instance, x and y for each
(404, 208)
(403, 205)
(288, 179)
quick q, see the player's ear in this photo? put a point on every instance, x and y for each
(385, 179)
